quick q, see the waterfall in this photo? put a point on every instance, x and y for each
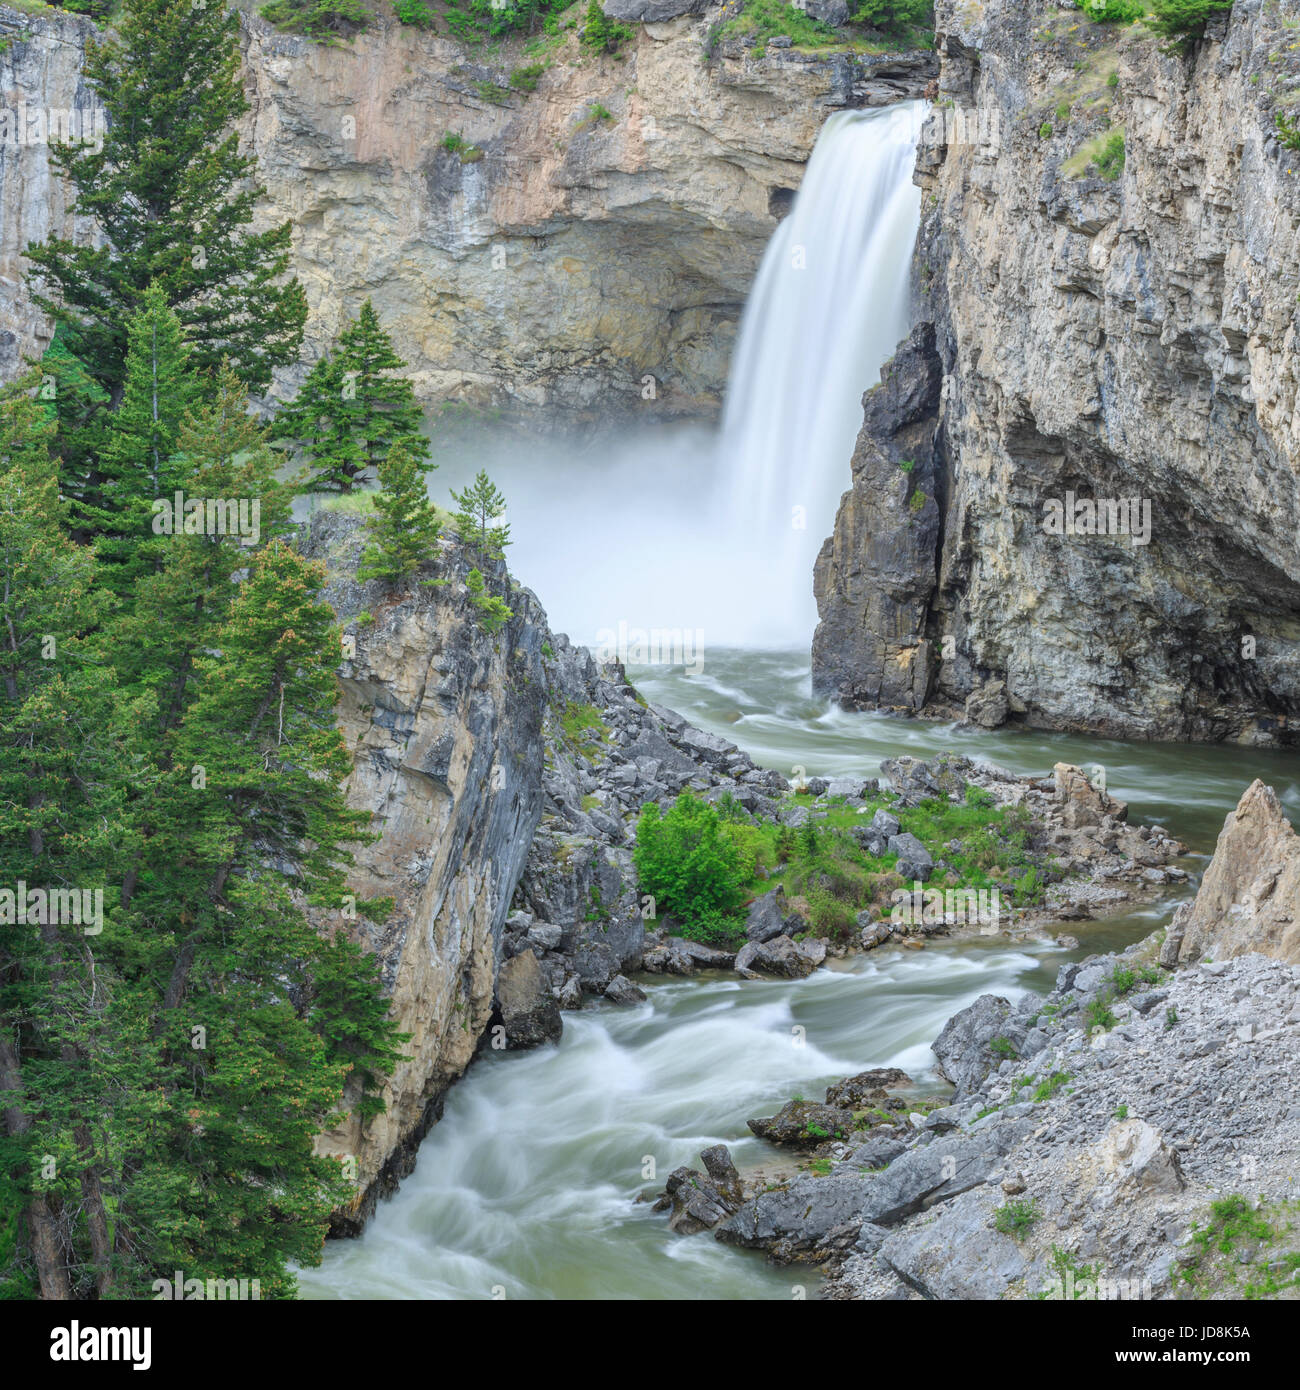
(828, 309)
(682, 531)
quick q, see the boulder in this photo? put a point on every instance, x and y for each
(964, 1048)
(1083, 805)
(1138, 1161)
(1249, 898)
(883, 825)
(878, 1152)
(852, 788)
(621, 990)
(866, 1088)
(988, 706)
(767, 916)
(809, 1220)
(710, 957)
(781, 956)
(835, 13)
(874, 934)
(545, 936)
(697, 1202)
(958, 1255)
(804, 1124)
(525, 1005)
(914, 860)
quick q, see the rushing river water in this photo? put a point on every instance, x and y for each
(528, 1186)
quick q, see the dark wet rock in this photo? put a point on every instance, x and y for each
(914, 860)
(808, 1221)
(527, 1009)
(621, 990)
(768, 916)
(879, 1151)
(866, 1088)
(804, 1124)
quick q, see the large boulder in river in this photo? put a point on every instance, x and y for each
(1249, 899)
(790, 960)
(525, 1004)
(804, 1124)
(977, 1040)
(1083, 805)
(808, 1221)
(698, 1201)
(866, 1088)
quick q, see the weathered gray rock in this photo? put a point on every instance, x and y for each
(528, 1010)
(804, 1124)
(964, 1047)
(767, 916)
(1249, 898)
(958, 1255)
(621, 990)
(866, 1088)
(914, 860)
(808, 1220)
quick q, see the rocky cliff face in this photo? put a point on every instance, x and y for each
(598, 233)
(445, 722)
(1110, 259)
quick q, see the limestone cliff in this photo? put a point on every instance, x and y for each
(599, 231)
(444, 721)
(1110, 259)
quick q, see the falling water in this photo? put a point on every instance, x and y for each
(828, 309)
(730, 558)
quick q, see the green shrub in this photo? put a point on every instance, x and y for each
(455, 143)
(760, 20)
(323, 20)
(1100, 1015)
(1045, 131)
(1114, 11)
(414, 12)
(691, 867)
(1016, 1219)
(895, 17)
(1185, 20)
(1288, 130)
(525, 79)
(1110, 158)
(1003, 1047)
(602, 35)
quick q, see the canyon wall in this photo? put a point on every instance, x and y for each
(584, 238)
(1107, 279)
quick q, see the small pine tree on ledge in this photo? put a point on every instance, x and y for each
(481, 507)
(405, 527)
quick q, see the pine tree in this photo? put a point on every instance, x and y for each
(61, 781)
(349, 412)
(481, 505)
(177, 610)
(319, 423)
(405, 527)
(138, 464)
(383, 408)
(173, 198)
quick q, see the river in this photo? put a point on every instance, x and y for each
(528, 1186)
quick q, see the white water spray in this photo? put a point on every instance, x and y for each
(698, 537)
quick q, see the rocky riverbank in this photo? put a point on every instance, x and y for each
(1132, 1135)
